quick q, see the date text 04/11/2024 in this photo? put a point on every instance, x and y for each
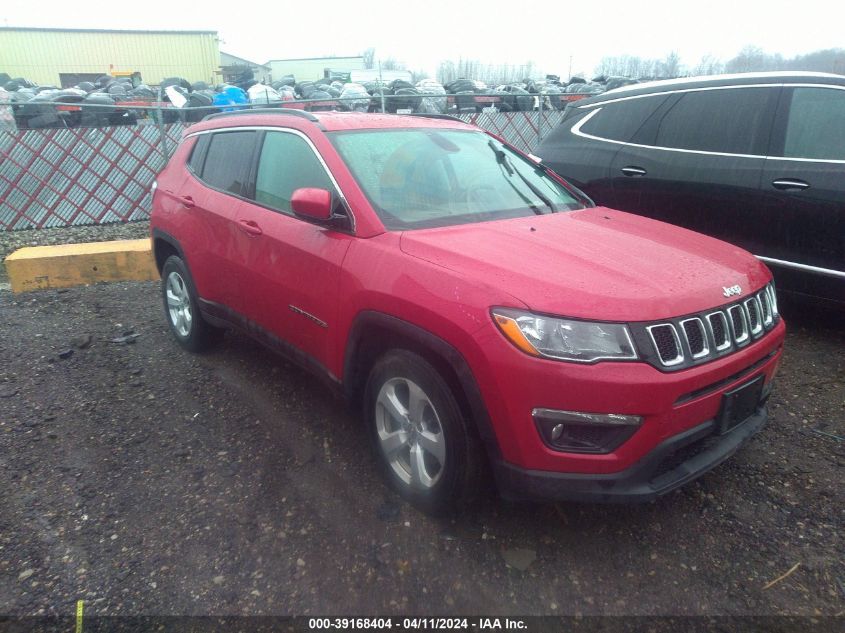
(411, 624)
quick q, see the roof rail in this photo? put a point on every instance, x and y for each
(451, 117)
(292, 111)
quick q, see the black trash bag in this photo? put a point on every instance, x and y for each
(399, 84)
(21, 96)
(599, 80)
(354, 97)
(243, 79)
(143, 92)
(24, 83)
(460, 85)
(519, 99)
(103, 81)
(117, 89)
(434, 99)
(465, 101)
(87, 86)
(617, 82)
(404, 99)
(286, 80)
(175, 81)
(4, 78)
(97, 116)
(202, 99)
(324, 105)
(12, 86)
(576, 80)
(304, 88)
(334, 92)
(199, 85)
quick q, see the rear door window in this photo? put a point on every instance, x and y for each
(228, 161)
(732, 121)
(620, 121)
(287, 163)
(815, 127)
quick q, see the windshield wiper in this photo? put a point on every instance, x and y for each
(505, 162)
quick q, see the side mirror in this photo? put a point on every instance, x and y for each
(312, 203)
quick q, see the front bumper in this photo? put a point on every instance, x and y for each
(671, 464)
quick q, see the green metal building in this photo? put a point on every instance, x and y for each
(64, 57)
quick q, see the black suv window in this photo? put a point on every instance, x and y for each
(733, 121)
(228, 160)
(816, 125)
(620, 121)
(287, 163)
(198, 154)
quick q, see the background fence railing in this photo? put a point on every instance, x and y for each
(70, 176)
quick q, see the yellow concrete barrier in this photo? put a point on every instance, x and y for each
(40, 267)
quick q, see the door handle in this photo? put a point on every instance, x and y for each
(634, 171)
(249, 227)
(788, 184)
(187, 201)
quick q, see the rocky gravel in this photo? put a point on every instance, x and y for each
(147, 480)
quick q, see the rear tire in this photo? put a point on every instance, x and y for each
(425, 445)
(181, 308)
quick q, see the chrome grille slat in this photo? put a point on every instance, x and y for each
(713, 334)
(752, 311)
(696, 337)
(666, 346)
(739, 324)
(718, 323)
(766, 308)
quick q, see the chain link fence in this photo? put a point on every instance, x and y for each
(71, 175)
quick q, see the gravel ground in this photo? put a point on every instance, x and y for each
(146, 480)
(10, 241)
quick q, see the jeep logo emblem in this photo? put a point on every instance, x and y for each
(731, 291)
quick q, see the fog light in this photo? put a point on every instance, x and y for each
(576, 432)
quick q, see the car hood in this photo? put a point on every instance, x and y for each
(594, 263)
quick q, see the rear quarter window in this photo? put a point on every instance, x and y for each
(732, 121)
(228, 160)
(816, 124)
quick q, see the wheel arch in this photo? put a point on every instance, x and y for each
(165, 245)
(374, 333)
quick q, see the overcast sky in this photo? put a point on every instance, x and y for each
(421, 33)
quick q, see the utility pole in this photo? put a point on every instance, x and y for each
(381, 87)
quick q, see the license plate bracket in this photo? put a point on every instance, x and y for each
(739, 404)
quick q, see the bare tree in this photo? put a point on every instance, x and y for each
(369, 56)
(708, 65)
(391, 63)
(491, 74)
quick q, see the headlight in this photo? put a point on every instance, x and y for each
(565, 339)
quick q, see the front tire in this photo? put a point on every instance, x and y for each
(425, 445)
(181, 308)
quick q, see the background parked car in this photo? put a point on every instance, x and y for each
(755, 159)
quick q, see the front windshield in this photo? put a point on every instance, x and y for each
(421, 178)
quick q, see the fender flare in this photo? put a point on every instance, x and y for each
(434, 344)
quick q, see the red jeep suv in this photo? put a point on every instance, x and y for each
(482, 312)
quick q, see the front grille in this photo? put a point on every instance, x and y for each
(695, 339)
(665, 340)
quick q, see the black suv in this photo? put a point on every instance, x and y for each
(756, 159)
